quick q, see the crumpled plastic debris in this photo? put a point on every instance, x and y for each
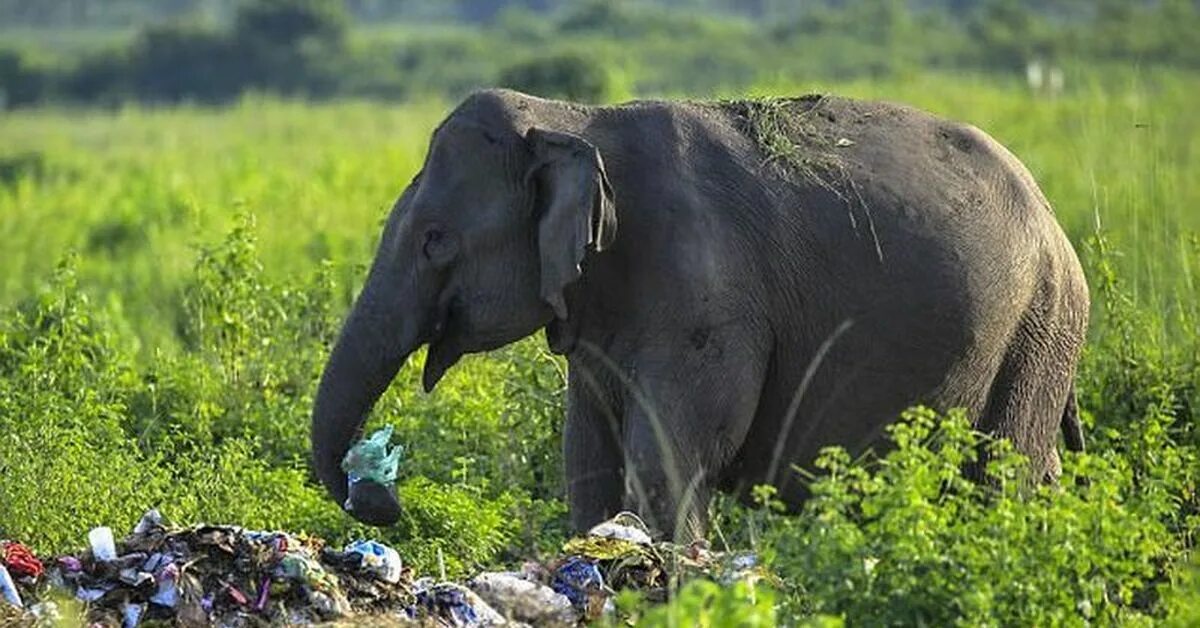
(452, 605)
(371, 479)
(131, 614)
(46, 613)
(626, 526)
(370, 458)
(580, 581)
(377, 558)
(622, 546)
(21, 562)
(70, 564)
(166, 593)
(519, 598)
(150, 522)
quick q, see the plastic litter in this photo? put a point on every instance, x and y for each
(20, 561)
(91, 594)
(167, 593)
(46, 613)
(626, 526)
(371, 479)
(742, 562)
(308, 571)
(518, 598)
(223, 575)
(236, 595)
(371, 459)
(131, 615)
(104, 549)
(618, 548)
(228, 576)
(264, 592)
(580, 581)
(452, 604)
(378, 559)
(8, 589)
(150, 522)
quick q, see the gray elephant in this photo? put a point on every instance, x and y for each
(735, 286)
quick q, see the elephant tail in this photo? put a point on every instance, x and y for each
(1071, 427)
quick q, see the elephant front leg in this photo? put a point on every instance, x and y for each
(668, 485)
(591, 453)
(686, 416)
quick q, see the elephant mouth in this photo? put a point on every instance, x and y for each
(444, 349)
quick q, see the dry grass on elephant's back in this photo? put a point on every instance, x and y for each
(797, 137)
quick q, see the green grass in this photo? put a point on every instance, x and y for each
(171, 361)
(138, 190)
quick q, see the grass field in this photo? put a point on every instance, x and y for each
(171, 279)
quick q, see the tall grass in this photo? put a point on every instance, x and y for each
(137, 191)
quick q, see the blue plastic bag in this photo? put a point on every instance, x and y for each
(371, 459)
(576, 578)
(378, 558)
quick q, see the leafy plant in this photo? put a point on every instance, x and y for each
(910, 540)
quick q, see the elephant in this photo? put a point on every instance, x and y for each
(735, 285)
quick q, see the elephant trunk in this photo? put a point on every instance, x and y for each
(372, 347)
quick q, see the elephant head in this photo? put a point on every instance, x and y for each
(475, 254)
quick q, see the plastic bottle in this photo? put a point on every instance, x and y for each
(104, 548)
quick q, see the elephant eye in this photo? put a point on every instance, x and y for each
(433, 238)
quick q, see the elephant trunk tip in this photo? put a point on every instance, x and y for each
(366, 500)
(372, 503)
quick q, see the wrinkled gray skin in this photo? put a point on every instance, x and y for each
(722, 320)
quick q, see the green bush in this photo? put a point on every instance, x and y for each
(568, 76)
(185, 60)
(288, 23)
(21, 83)
(702, 603)
(1183, 599)
(287, 46)
(910, 540)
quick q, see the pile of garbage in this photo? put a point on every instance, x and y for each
(207, 574)
(228, 576)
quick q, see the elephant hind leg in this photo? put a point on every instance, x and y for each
(1071, 427)
(1032, 394)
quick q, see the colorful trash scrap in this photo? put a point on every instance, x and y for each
(374, 458)
(520, 598)
(20, 561)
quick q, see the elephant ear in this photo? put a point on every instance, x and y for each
(575, 208)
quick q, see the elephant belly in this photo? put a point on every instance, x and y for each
(846, 397)
(930, 328)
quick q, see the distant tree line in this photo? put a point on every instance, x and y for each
(126, 13)
(215, 50)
